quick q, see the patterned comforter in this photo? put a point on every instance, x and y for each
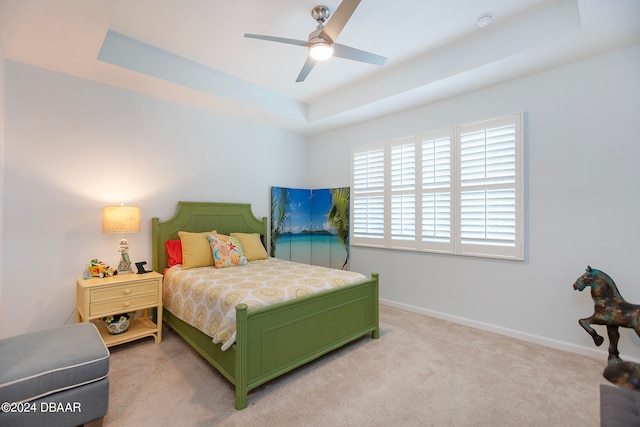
(206, 297)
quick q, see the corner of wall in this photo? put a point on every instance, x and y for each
(2, 157)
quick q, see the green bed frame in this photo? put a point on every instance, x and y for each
(276, 339)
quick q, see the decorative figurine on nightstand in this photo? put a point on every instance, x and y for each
(100, 269)
(118, 323)
(86, 274)
(125, 263)
(612, 310)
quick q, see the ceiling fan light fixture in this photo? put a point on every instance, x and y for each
(320, 49)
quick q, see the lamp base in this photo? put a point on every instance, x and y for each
(124, 266)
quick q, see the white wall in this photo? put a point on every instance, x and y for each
(2, 160)
(74, 146)
(582, 204)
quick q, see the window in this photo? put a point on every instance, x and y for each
(436, 191)
(368, 207)
(403, 191)
(459, 191)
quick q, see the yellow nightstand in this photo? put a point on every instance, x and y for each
(100, 297)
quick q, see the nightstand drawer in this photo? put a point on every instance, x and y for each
(123, 305)
(124, 291)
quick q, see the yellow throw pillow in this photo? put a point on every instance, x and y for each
(196, 251)
(251, 246)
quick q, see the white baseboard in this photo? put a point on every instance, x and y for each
(523, 336)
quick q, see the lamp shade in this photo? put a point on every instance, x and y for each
(120, 219)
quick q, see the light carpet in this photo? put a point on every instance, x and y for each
(422, 371)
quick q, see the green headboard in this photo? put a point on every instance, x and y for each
(202, 216)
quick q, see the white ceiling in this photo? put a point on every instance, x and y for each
(193, 51)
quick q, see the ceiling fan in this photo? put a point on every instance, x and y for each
(321, 43)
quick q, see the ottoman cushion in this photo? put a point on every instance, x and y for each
(619, 407)
(38, 364)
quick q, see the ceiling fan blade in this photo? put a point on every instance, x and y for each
(346, 52)
(339, 18)
(306, 69)
(277, 39)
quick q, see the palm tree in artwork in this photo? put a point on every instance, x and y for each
(338, 216)
(279, 214)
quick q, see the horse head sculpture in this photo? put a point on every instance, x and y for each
(584, 280)
(610, 309)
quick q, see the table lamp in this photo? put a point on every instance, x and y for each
(121, 219)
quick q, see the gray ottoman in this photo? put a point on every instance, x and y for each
(619, 407)
(56, 377)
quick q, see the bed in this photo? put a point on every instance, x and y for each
(274, 339)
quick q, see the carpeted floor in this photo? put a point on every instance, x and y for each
(421, 372)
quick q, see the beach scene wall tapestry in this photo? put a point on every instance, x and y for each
(311, 226)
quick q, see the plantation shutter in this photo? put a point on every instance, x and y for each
(403, 192)
(368, 182)
(490, 177)
(436, 191)
(459, 191)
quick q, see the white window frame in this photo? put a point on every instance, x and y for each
(475, 229)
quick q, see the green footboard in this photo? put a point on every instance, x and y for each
(273, 340)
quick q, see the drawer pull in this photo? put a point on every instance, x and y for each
(127, 291)
(127, 304)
